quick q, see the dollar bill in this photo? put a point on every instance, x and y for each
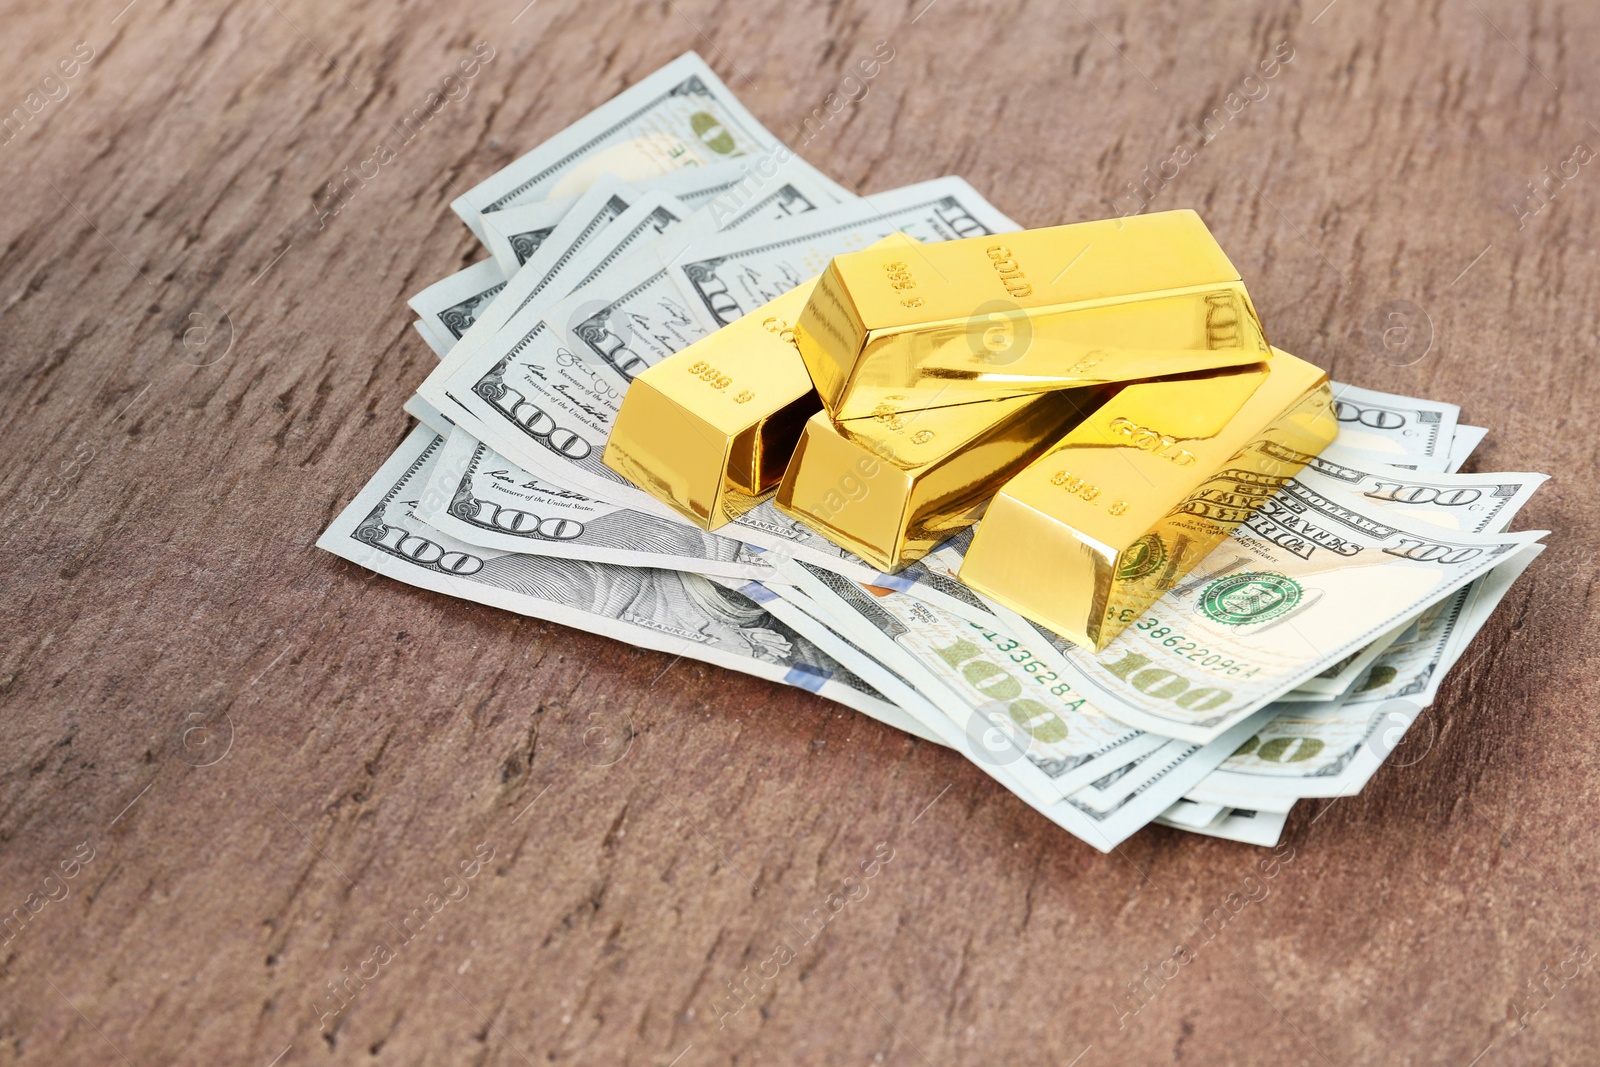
(607, 201)
(606, 232)
(579, 245)
(986, 684)
(1262, 828)
(1059, 755)
(515, 234)
(729, 277)
(680, 116)
(638, 317)
(449, 306)
(1465, 503)
(1334, 681)
(1475, 503)
(1308, 579)
(683, 614)
(804, 618)
(1189, 814)
(432, 340)
(1334, 750)
(1467, 440)
(1415, 665)
(1400, 430)
(478, 497)
(428, 415)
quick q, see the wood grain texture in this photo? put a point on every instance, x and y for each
(276, 759)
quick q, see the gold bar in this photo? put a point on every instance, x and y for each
(709, 430)
(891, 487)
(985, 318)
(1115, 514)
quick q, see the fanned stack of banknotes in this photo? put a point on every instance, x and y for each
(668, 213)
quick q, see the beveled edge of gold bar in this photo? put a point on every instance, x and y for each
(1121, 591)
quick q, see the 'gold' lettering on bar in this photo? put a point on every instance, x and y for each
(987, 318)
(891, 487)
(1114, 515)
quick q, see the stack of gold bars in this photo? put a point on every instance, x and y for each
(1048, 497)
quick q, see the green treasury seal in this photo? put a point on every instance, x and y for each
(1240, 599)
(1140, 558)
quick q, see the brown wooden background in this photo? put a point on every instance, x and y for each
(274, 759)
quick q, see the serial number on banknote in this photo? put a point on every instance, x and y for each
(1193, 651)
(1031, 665)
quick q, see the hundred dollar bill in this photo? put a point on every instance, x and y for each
(1188, 814)
(637, 316)
(1334, 681)
(1329, 751)
(449, 306)
(1399, 430)
(1322, 751)
(683, 614)
(1262, 828)
(730, 276)
(1466, 503)
(573, 249)
(513, 235)
(1467, 440)
(428, 415)
(440, 348)
(606, 201)
(549, 406)
(1211, 790)
(996, 694)
(606, 232)
(1463, 503)
(1415, 665)
(1003, 715)
(1110, 791)
(1475, 503)
(1309, 578)
(680, 116)
(797, 612)
(477, 496)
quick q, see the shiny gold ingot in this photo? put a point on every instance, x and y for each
(985, 318)
(709, 430)
(890, 488)
(1114, 515)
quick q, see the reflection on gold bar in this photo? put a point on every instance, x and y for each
(985, 318)
(710, 429)
(1102, 524)
(890, 488)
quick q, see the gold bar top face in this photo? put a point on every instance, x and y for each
(890, 488)
(710, 429)
(1115, 514)
(998, 316)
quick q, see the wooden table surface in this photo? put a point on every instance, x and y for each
(233, 765)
